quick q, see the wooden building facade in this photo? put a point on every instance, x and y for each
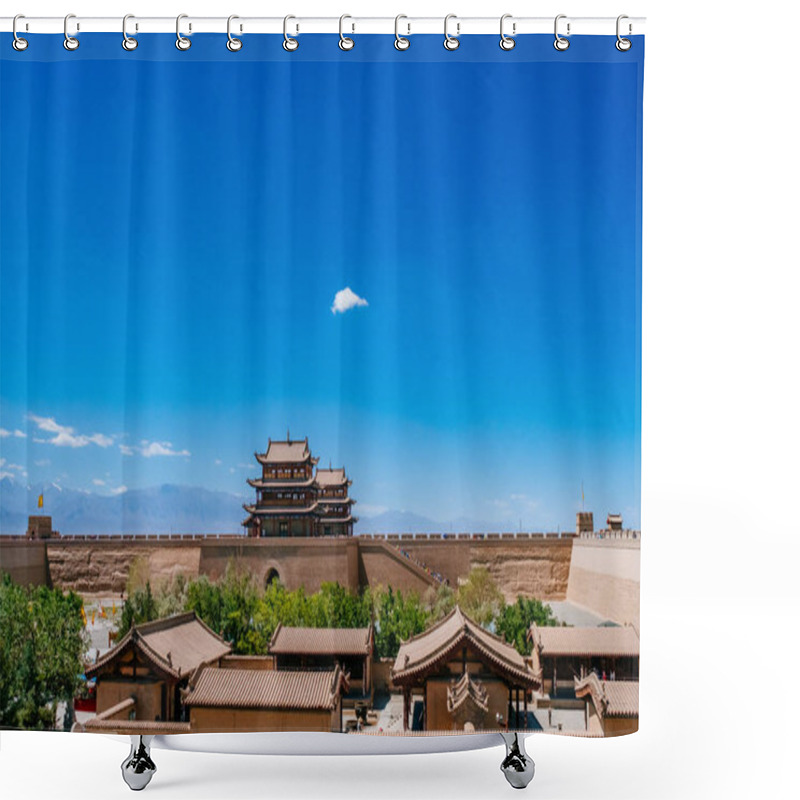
(467, 678)
(223, 700)
(325, 649)
(560, 655)
(149, 666)
(294, 499)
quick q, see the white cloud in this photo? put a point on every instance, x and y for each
(98, 482)
(149, 449)
(17, 434)
(217, 461)
(119, 490)
(345, 300)
(65, 436)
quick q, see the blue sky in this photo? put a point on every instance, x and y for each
(175, 235)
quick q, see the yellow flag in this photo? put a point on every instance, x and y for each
(92, 617)
(41, 500)
(113, 609)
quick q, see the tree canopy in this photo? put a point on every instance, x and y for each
(42, 642)
(245, 614)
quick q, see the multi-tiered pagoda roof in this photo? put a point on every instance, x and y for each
(292, 499)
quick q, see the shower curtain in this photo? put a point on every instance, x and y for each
(320, 384)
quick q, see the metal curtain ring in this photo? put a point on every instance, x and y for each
(623, 44)
(233, 44)
(128, 42)
(18, 42)
(181, 42)
(345, 42)
(560, 43)
(70, 42)
(451, 42)
(289, 44)
(401, 42)
(507, 42)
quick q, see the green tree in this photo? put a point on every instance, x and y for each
(479, 597)
(42, 644)
(397, 617)
(514, 621)
(440, 601)
(139, 607)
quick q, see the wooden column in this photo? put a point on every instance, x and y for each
(406, 706)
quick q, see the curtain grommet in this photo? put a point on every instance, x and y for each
(233, 44)
(128, 42)
(345, 42)
(622, 44)
(290, 44)
(18, 43)
(401, 43)
(181, 42)
(70, 42)
(561, 43)
(507, 42)
(451, 43)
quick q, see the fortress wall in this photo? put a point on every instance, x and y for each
(298, 562)
(528, 567)
(379, 568)
(604, 577)
(102, 565)
(532, 567)
(25, 562)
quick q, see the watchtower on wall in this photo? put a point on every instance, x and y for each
(584, 525)
(291, 500)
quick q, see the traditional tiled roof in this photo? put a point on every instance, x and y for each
(271, 511)
(331, 477)
(321, 641)
(600, 641)
(610, 698)
(281, 483)
(422, 652)
(176, 645)
(265, 689)
(288, 452)
(467, 690)
(325, 518)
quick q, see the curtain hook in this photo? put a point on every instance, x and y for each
(345, 42)
(70, 42)
(128, 42)
(451, 42)
(560, 43)
(181, 42)
(507, 42)
(623, 44)
(289, 44)
(401, 42)
(233, 44)
(18, 43)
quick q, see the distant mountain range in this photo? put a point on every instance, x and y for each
(160, 509)
(176, 509)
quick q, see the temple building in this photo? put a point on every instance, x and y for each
(139, 681)
(327, 648)
(559, 655)
(612, 707)
(468, 678)
(292, 499)
(221, 700)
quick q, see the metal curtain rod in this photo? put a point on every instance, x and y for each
(299, 25)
